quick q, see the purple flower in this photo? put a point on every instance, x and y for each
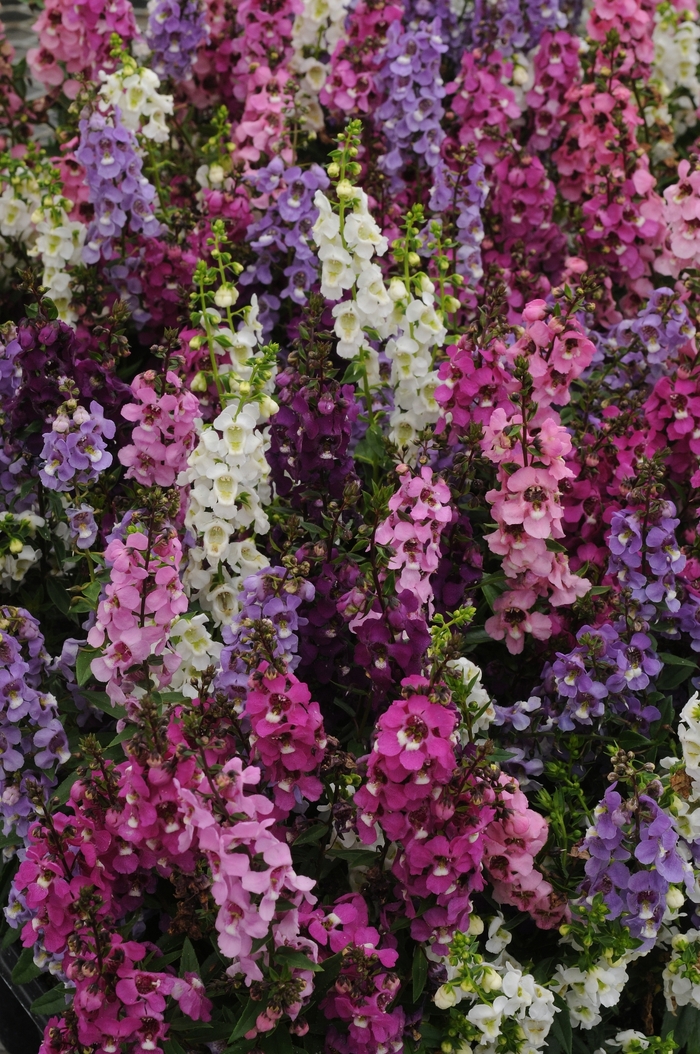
(646, 902)
(658, 842)
(118, 189)
(74, 450)
(82, 525)
(274, 595)
(284, 230)
(635, 665)
(175, 30)
(32, 737)
(411, 115)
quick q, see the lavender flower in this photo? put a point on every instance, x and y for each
(635, 549)
(83, 527)
(284, 230)
(274, 595)
(176, 28)
(118, 188)
(628, 832)
(31, 734)
(74, 450)
(412, 112)
(10, 373)
(463, 194)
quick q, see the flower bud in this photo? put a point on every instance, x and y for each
(226, 296)
(445, 997)
(345, 190)
(674, 898)
(16, 545)
(199, 382)
(216, 174)
(476, 926)
(491, 981)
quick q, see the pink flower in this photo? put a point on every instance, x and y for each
(513, 619)
(531, 498)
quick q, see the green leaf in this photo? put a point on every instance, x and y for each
(200, 1032)
(246, 1020)
(323, 981)
(10, 937)
(102, 701)
(668, 659)
(561, 1026)
(53, 1002)
(59, 595)
(83, 673)
(171, 1046)
(63, 790)
(491, 595)
(355, 857)
(476, 636)
(673, 676)
(371, 449)
(311, 835)
(280, 1042)
(685, 1027)
(92, 591)
(25, 970)
(188, 961)
(419, 972)
(294, 958)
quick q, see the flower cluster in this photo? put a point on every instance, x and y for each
(163, 437)
(75, 452)
(419, 513)
(175, 31)
(284, 230)
(118, 189)
(140, 602)
(32, 739)
(349, 465)
(627, 834)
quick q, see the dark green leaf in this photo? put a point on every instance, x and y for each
(246, 1020)
(102, 701)
(676, 660)
(58, 595)
(63, 790)
(25, 970)
(491, 595)
(561, 1026)
(311, 835)
(294, 958)
(355, 857)
(171, 1046)
(280, 1042)
(671, 676)
(323, 981)
(197, 1032)
(476, 636)
(419, 973)
(10, 937)
(83, 672)
(188, 962)
(53, 1002)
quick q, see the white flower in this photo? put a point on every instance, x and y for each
(498, 937)
(134, 89)
(488, 1018)
(348, 328)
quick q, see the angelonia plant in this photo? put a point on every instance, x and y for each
(349, 541)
